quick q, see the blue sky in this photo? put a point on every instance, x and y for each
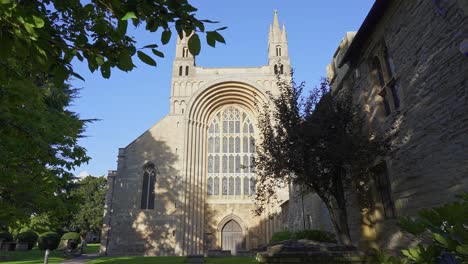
(127, 104)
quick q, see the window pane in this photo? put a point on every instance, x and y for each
(224, 164)
(246, 164)
(246, 128)
(217, 147)
(238, 186)
(210, 186)
(252, 186)
(231, 145)
(252, 164)
(238, 164)
(251, 130)
(231, 164)
(144, 191)
(224, 186)
(216, 128)
(216, 186)
(231, 186)
(246, 186)
(225, 126)
(216, 164)
(245, 143)
(225, 143)
(210, 145)
(151, 194)
(237, 126)
(211, 130)
(231, 126)
(210, 164)
(252, 145)
(237, 150)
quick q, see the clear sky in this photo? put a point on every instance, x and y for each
(128, 104)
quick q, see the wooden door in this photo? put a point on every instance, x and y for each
(232, 237)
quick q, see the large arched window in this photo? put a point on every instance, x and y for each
(149, 181)
(231, 149)
(378, 73)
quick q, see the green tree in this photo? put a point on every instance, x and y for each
(39, 40)
(318, 143)
(89, 196)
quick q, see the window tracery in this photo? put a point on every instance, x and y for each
(231, 148)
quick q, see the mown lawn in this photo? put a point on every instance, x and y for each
(170, 260)
(36, 256)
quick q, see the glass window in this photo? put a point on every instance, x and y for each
(210, 164)
(225, 164)
(217, 145)
(246, 186)
(210, 145)
(231, 186)
(252, 186)
(210, 186)
(225, 186)
(238, 186)
(237, 149)
(216, 186)
(216, 164)
(246, 164)
(238, 164)
(231, 164)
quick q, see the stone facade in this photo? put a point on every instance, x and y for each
(406, 67)
(166, 196)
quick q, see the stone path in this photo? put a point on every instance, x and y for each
(81, 259)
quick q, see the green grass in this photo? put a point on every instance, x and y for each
(170, 260)
(34, 256)
(92, 248)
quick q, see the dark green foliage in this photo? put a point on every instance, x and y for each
(316, 235)
(89, 196)
(281, 236)
(313, 234)
(71, 236)
(70, 240)
(28, 236)
(38, 132)
(446, 226)
(48, 240)
(7, 236)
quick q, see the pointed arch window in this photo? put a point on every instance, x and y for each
(185, 52)
(378, 73)
(180, 70)
(231, 148)
(149, 181)
(186, 70)
(278, 51)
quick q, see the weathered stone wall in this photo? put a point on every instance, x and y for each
(429, 132)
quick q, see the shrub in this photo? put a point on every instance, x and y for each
(7, 236)
(315, 235)
(281, 236)
(48, 240)
(70, 240)
(28, 236)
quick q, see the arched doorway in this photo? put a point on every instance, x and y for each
(231, 237)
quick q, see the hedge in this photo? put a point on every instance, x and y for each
(48, 240)
(28, 236)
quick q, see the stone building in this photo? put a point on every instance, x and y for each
(186, 185)
(407, 67)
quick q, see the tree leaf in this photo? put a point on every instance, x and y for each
(129, 15)
(158, 53)
(151, 46)
(105, 71)
(218, 37)
(210, 39)
(462, 249)
(221, 28)
(146, 59)
(125, 61)
(194, 44)
(38, 22)
(166, 36)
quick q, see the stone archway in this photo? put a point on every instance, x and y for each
(232, 237)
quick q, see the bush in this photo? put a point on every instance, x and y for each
(48, 240)
(28, 236)
(7, 236)
(70, 240)
(316, 235)
(281, 236)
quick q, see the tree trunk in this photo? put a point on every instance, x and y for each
(339, 218)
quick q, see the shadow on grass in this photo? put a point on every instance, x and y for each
(170, 260)
(34, 256)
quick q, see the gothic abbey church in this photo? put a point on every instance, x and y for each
(186, 186)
